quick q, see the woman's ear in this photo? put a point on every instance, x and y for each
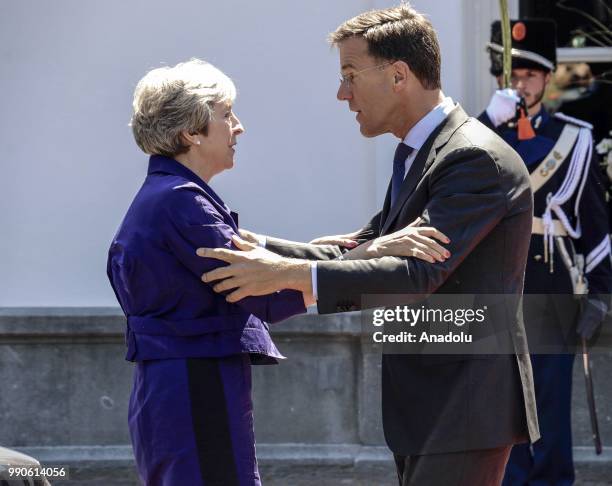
(190, 138)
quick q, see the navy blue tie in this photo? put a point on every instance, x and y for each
(399, 169)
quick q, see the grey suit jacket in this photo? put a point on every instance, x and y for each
(468, 183)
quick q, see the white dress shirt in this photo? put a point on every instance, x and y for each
(415, 138)
(420, 132)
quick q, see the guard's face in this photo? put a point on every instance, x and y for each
(217, 147)
(529, 83)
(366, 86)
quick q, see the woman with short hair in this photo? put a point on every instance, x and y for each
(190, 413)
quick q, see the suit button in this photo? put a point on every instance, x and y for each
(537, 258)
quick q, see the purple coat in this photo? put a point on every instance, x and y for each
(155, 273)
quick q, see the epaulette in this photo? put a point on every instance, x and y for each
(573, 121)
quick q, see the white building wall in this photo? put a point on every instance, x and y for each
(70, 167)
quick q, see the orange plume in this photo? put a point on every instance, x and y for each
(525, 130)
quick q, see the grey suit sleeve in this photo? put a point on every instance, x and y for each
(466, 202)
(293, 249)
(305, 251)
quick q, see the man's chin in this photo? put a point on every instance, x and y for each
(367, 132)
(532, 101)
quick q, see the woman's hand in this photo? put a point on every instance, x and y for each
(411, 241)
(346, 241)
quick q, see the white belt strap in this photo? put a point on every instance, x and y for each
(537, 227)
(555, 158)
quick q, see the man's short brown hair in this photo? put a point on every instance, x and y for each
(398, 34)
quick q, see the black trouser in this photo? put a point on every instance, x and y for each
(471, 468)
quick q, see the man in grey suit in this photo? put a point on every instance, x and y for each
(449, 420)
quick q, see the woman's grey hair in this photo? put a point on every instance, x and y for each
(170, 100)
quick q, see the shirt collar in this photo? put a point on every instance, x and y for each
(166, 165)
(417, 135)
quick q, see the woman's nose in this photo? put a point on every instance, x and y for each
(238, 128)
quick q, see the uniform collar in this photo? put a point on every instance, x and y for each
(532, 151)
(540, 119)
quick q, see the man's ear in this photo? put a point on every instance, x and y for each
(401, 74)
(547, 77)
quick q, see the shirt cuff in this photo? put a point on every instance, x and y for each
(313, 279)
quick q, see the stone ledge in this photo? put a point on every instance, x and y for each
(73, 322)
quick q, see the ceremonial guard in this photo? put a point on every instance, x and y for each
(570, 246)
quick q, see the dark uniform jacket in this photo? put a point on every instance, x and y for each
(552, 312)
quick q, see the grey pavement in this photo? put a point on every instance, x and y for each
(292, 475)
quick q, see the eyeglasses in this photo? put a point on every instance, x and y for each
(348, 79)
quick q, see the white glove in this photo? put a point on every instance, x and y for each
(502, 107)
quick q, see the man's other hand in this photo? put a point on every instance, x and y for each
(346, 241)
(249, 236)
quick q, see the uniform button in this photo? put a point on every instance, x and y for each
(537, 258)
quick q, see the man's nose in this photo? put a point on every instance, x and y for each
(344, 92)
